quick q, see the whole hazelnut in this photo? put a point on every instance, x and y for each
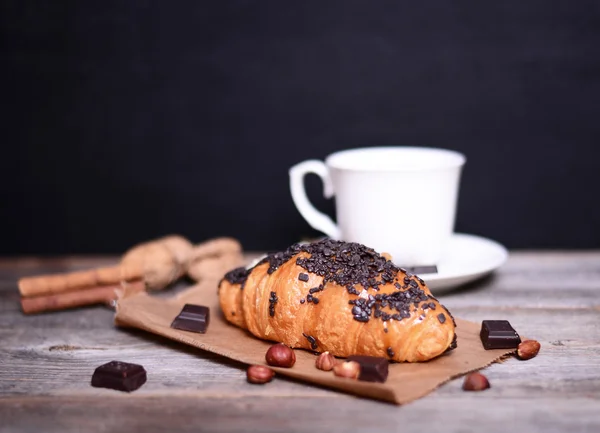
(280, 355)
(325, 361)
(475, 382)
(528, 349)
(349, 369)
(259, 374)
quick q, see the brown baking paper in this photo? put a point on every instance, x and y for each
(406, 382)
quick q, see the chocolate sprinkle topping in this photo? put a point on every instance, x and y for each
(237, 276)
(451, 316)
(272, 301)
(454, 343)
(352, 290)
(356, 268)
(390, 352)
(441, 317)
(311, 340)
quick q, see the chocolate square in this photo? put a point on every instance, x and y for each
(192, 318)
(372, 368)
(120, 376)
(498, 334)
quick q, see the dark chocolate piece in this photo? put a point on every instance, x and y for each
(498, 334)
(372, 368)
(193, 318)
(303, 277)
(121, 376)
(432, 269)
(441, 317)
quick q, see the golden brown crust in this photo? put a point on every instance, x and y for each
(330, 324)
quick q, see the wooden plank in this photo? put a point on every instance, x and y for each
(298, 414)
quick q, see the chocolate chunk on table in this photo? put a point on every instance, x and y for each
(193, 318)
(372, 368)
(498, 334)
(121, 376)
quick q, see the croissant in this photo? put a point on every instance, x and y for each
(340, 297)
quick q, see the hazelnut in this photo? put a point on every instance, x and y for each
(325, 361)
(280, 355)
(475, 382)
(349, 369)
(528, 349)
(259, 374)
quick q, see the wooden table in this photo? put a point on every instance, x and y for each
(46, 362)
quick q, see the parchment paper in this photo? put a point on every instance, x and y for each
(406, 382)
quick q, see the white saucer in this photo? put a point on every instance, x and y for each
(466, 259)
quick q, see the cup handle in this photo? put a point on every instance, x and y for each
(317, 220)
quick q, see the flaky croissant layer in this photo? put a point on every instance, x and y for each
(338, 297)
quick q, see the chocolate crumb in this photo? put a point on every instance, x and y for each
(303, 277)
(385, 330)
(441, 317)
(390, 352)
(302, 301)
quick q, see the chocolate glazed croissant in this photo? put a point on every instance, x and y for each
(338, 297)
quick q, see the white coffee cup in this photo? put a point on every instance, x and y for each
(399, 200)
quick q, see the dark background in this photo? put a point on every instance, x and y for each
(126, 120)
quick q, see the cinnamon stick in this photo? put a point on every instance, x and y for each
(94, 295)
(158, 262)
(73, 281)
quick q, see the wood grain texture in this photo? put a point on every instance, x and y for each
(46, 362)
